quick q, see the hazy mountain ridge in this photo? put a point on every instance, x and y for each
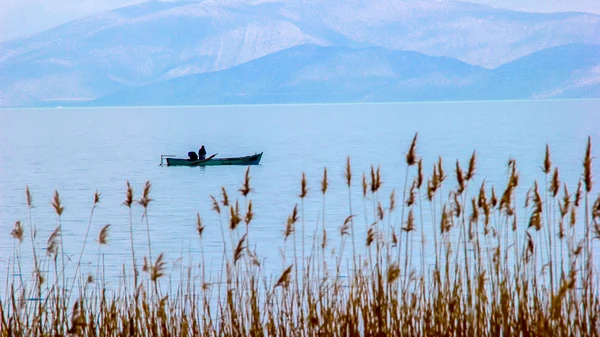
(545, 74)
(153, 42)
(316, 74)
(305, 73)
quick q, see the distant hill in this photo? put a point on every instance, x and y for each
(570, 71)
(312, 73)
(156, 41)
(315, 74)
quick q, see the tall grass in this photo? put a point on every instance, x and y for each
(502, 267)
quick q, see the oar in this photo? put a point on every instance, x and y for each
(203, 160)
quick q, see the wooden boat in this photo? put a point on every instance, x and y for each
(212, 161)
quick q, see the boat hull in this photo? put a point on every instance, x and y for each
(247, 160)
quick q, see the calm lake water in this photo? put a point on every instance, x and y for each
(79, 151)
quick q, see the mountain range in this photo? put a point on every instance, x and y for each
(286, 51)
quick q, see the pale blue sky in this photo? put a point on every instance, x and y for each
(20, 18)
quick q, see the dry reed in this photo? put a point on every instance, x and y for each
(496, 272)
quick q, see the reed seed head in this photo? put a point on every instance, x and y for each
(56, 204)
(493, 199)
(596, 228)
(392, 200)
(303, 189)
(371, 235)
(514, 179)
(378, 177)
(446, 221)
(249, 214)
(17, 231)
(506, 200)
(566, 204)
(511, 162)
(411, 194)
(324, 240)
(579, 249)
(411, 157)
(216, 206)
(393, 272)
(225, 200)
(578, 194)
(471, 169)
(561, 229)
(245, 189)
(345, 228)
(547, 163)
(596, 209)
(324, 182)
(28, 197)
(474, 211)
(529, 248)
(39, 277)
(410, 222)
(291, 221)
(587, 166)
(460, 179)
(239, 249)
(457, 205)
(364, 185)
(430, 190)
(440, 170)
(348, 173)
(199, 225)
(373, 180)
(555, 185)
(573, 217)
(535, 220)
(481, 198)
(537, 198)
(103, 235)
(253, 257)
(128, 195)
(96, 198)
(234, 216)
(380, 211)
(53, 241)
(145, 200)
(487, 213)
(420, 174)
(435, 179)
(284, 279)
(158, 269)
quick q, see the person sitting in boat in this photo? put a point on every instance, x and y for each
(202, 153)
(192, 156)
